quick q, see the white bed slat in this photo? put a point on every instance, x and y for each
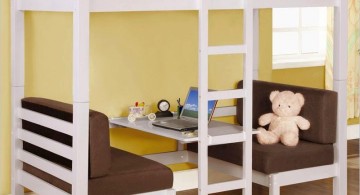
(227, 94)
(46, 5)
(163, 5)
(126, 5)
(46, 121)
(305, 175)
(159, 5)
(44, 142)
(294, 3)
(45, 165)
(226, 186)
(225, 139)
(37, 185)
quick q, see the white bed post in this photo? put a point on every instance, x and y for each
(203, 100)
(340, 79)
(256, 46)
(248, 87)
(80, 96)
(17, 90)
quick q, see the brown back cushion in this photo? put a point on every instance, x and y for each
(99, 141)
(320, 109)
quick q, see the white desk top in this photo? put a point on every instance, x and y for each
(216, 129)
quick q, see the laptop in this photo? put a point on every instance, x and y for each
(188, 120)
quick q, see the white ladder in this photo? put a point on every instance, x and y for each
(204, 96)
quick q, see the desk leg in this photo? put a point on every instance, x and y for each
(180, 146)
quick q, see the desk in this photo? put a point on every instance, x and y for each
(217, 130)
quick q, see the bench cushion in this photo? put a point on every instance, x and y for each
(277, 157)
(132, 174)
(99, 141)
(319, 108)
(129, 174)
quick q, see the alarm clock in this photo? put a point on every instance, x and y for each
(163, 106)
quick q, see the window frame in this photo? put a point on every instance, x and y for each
(299, 60)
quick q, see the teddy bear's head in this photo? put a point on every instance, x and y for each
(286, 103)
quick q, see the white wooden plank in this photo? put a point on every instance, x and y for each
(45, 165)
(248, 88)
(16, 144)
(353, 132)
(226, 94)
(46, 5)
(340, 42)
(203, 71)
(256, 42)
(37, 185)
(160, 5)
(81, 68)
(44, 142)
(260, 178)
(227, 49)
(160, 192)
(46, 121)
(169, 157)
(17, 46)
(227, 186)
(226, 139)
(225, 111)
(185, 180)
(294, 3)
(340, 157)
(305, 175)
(81, 146)
(17, 90)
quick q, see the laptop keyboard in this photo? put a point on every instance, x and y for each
(181, 123)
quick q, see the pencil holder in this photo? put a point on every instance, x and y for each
(179, 109)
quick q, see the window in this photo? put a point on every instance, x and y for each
(299, 37)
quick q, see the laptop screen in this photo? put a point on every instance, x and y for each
(191, 106)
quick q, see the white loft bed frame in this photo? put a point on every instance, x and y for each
(79, 153)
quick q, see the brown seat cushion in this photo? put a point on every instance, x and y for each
(277, 157)
(319, 108)
(129, 174)
(99, 141)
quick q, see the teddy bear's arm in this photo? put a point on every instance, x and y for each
(302, 123)
(266, 119)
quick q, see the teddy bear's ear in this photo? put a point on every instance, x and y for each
(273, 94)
(300, 98)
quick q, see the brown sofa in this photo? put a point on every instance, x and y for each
(111, 170)
(315, 147)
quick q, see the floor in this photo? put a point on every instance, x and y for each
(320, 187)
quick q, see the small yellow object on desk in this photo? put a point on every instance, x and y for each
(190, 133)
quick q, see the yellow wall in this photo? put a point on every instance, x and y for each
(143, 56)
(4, 98)
(308, 77)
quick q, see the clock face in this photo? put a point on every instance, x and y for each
(163, 105)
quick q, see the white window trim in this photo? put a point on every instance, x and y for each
(298, 61)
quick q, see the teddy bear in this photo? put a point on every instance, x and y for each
(284, 122)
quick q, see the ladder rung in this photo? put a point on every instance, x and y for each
(226, 186)
(226, 94)
(226, 139)
(227, 49)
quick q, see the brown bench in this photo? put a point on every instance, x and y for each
(111, 170)
(315, 147)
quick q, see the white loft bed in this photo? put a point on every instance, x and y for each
(81, 10)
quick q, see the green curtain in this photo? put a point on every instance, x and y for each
(353, 57)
